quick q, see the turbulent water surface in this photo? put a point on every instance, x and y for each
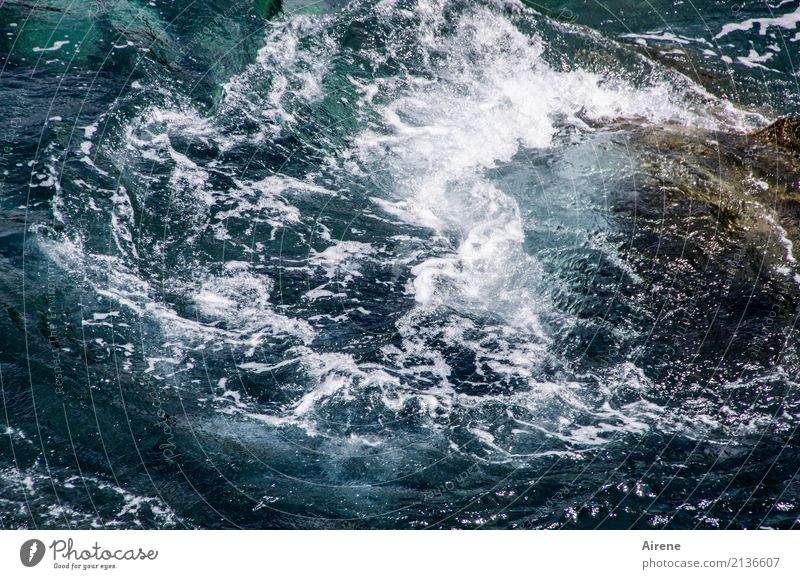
(395, 264)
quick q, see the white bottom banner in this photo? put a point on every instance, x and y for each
(371, 554)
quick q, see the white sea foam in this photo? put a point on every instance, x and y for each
(788, 21)
(287, 69)
(57, 45)
(240, 299)
(340, 260)
(494, 96)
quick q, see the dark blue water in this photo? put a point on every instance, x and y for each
(397, 264)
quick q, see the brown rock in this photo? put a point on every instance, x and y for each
(784, 133)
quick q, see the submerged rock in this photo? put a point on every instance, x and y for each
(784, 133)
(727, 199)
